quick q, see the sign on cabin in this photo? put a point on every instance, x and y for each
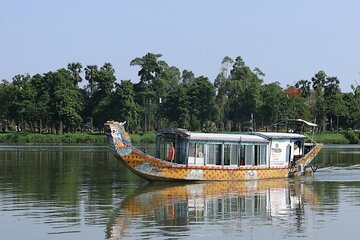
(279, 153)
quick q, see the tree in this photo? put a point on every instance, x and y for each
(331, 86)
(220, 86)
(274, 108)
(335, 107)
(124, 106)
(176, 107)
(90, 73)
(150, 68)
(101, 98)
(202, 98)
(244, 93)
(22, 105)
(352, 103)
(334, 101)
(42, 100)
(296, 107)
(187, 77)
(5, 104)
(90, 76)
(319, 80)
(75, 69)
(66, 101)
(320, 108)
(304, 86)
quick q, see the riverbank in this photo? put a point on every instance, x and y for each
(330, 138)
(95, 138)
(349, 137)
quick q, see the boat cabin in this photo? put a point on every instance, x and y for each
(262, 149)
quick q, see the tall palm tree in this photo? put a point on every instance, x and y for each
(108, 67)
(90, 72)
(75, 69)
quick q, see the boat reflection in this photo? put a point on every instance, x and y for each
(176, 208)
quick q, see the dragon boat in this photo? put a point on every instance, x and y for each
(215, 156)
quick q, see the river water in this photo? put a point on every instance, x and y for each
(83, 192)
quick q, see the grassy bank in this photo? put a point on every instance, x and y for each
(331, 138)
(349, 137)
(22, 138)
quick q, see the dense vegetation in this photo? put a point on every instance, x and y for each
(164, 96)
(21, 137)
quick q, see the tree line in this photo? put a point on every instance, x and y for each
(166, 97)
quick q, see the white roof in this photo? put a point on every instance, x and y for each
(303, 121)
(227, 137)
(278, 135)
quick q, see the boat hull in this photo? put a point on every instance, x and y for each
(155, 169)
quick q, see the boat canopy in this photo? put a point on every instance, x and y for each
(220, 137)
(174, 133)
(280, 135)
(304, 122)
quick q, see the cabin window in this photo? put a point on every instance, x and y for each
(199, 150)
(211, 160)
(260, 155)
(253, 155)
(230, 154)
(196, 154)
(249, 154)
(214, 154)
(162, 148)
(192, 149)
(242, 156)
(180, 151)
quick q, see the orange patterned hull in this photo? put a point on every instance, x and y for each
(155, 169)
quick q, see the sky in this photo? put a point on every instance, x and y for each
(288, 40)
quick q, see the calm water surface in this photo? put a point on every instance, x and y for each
(83, 192)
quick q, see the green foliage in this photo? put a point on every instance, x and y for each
(209, 127)
(150, 66)
(202, 100)
(274, 108)
(165, 96)
(124, 106)
(75, 69)
(244, 93)
(176, 107)
(304, 86)
(331, 138)
(353, 137)
(149, 137)
(135, 138)
(22, 138)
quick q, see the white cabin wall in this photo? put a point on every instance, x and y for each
(278, 153)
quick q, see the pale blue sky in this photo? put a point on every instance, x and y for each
(288, 40)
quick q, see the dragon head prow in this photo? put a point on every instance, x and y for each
(118, 137)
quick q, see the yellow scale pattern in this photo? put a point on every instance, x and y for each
(168, 171)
